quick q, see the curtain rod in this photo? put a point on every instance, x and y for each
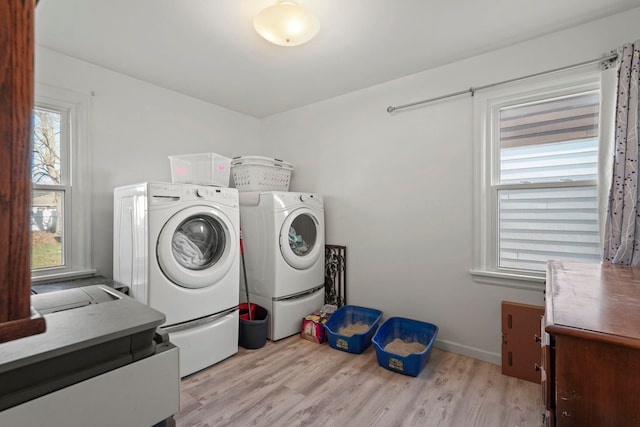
(611, 57)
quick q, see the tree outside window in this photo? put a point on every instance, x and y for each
(47, 202)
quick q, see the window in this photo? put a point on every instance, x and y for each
(536, 177)
(60, 220)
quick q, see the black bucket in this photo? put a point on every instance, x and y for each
(253, 333)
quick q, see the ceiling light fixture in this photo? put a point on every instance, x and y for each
(286, 24)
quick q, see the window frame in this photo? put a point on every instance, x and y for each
(76, 181)
(486, 161)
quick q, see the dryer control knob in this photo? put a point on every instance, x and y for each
(201, 192)
(304, 198)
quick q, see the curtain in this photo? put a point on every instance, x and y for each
(606, 138)
(622, 229)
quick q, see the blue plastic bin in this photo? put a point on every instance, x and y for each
(349, 315)
(408, 330)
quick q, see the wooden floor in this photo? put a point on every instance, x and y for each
(295, 382)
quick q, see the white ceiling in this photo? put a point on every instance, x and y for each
(208, 48)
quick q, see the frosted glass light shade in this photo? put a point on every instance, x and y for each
(286, 24)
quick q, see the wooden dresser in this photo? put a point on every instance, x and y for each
(591, 345)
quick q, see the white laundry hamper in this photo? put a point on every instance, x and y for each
(256, 173)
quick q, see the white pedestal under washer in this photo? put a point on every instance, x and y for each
(284, 235)
(177, 247)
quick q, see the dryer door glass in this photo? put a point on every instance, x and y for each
(198, 242)
(302, 235)
(301, 239)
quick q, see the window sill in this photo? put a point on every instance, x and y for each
(53, 277)
(509, 280)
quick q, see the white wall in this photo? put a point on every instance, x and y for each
(134, 126)
(398, 187)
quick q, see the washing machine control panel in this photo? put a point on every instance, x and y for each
(208, 193)
(161, 193)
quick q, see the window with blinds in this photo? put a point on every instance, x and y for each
(546, 185)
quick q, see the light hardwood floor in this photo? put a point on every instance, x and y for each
(295, 382)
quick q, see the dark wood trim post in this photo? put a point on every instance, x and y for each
(16, 105)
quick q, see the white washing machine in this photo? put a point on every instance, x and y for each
(177, 247)
(283, 235)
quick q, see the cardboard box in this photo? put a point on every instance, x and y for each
(313, 324)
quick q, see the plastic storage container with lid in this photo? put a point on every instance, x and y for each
(256, 173)
(204, 169)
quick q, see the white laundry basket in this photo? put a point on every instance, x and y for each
(255, 173)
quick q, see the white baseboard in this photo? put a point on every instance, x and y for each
(465, 350)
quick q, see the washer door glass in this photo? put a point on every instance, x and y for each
(301, 239)
(196, 247)
(198, 242)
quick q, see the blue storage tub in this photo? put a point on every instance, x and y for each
(349, 315)
(408, 330)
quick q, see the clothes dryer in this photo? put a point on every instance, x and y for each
(283, 235)
(177, 247)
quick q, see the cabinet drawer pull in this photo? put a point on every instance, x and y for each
(536, 367)
(538, 338)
